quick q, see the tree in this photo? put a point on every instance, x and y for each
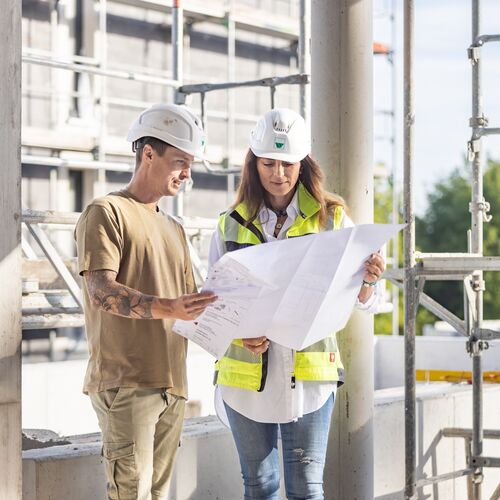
(444, 227)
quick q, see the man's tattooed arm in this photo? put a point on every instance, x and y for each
(106, 293)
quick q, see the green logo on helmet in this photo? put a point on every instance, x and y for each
(279, 144)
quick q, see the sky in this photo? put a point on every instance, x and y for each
(443, 99)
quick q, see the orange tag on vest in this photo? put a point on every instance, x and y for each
(332, 357)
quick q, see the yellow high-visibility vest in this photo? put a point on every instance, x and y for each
(319, 362)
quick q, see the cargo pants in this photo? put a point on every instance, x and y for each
(141, 429)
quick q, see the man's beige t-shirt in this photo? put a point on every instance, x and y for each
(149, 253)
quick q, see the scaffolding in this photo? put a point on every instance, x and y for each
(467, 267)
(245, 19)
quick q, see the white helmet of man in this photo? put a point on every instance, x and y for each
(174, 124)
(281, 134)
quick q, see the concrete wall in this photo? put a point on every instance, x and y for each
(207, 468)
(52, 396)
(207, 464)
(432, 353)
(438, 406)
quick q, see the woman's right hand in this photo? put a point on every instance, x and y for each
(257, 345)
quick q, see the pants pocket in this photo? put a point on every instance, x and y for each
(121, 470)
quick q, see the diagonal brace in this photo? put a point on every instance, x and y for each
(436, 308)
(55, 259)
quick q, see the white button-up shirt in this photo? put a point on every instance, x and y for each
(279, 402)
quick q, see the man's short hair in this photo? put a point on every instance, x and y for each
(157, 144)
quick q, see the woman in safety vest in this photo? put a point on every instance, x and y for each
(262, 385)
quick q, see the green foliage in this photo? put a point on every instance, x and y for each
(383, 215)
(444, 227)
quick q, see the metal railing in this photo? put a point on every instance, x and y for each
(57, 316)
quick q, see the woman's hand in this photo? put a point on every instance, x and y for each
(257, 345)
(374, 268)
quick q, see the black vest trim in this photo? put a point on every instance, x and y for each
(231, 246)
(265, 356)
(251, 227)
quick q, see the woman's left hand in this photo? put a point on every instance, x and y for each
(374, 268)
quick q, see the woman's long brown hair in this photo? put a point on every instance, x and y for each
(254, 195)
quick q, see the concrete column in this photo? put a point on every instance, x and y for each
(10, 251)
(342, 132)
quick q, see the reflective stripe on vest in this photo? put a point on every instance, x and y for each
(318, 362)
(241, 368)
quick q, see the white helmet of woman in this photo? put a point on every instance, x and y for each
(174, 124)
(281, 134)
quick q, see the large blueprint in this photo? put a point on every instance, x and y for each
(295, 291)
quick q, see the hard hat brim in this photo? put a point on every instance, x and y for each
(276, 155)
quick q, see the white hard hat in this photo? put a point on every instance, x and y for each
(174, 124)
(281, 134)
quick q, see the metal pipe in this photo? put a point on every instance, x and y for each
(76, 164)
(444, 477)
(211, 13)
(272, 81)
(467, 433)
(54, 104)
(177, 69)
(70, 218)
(395, 178)
(230, 101)
(86, 68)
(100, 180)
(409, 255)
(34, 322)
(482, 39)
(436, 308)
(477, 214)
(305, 58)
(341, 101)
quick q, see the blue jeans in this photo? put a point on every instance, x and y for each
(304, 451)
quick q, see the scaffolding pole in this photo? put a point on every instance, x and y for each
(478, 212)
(394, 161)
(469, 267)
(410, 298)
(230, 98)
(177, 72)
(10, 251)
(100, 179)
(305, 59)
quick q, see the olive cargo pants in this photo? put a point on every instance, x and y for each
(140, 429)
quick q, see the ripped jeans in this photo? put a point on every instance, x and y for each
(304, 451)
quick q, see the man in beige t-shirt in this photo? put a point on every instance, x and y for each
(137, 281)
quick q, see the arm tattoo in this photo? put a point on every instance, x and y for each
(113, 297)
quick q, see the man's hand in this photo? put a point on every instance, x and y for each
(186, 307)
(113, 297)
(257, 345)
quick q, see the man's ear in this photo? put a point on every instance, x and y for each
(148, 152)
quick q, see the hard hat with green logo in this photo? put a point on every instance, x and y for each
(281, 134)
(174, 124)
